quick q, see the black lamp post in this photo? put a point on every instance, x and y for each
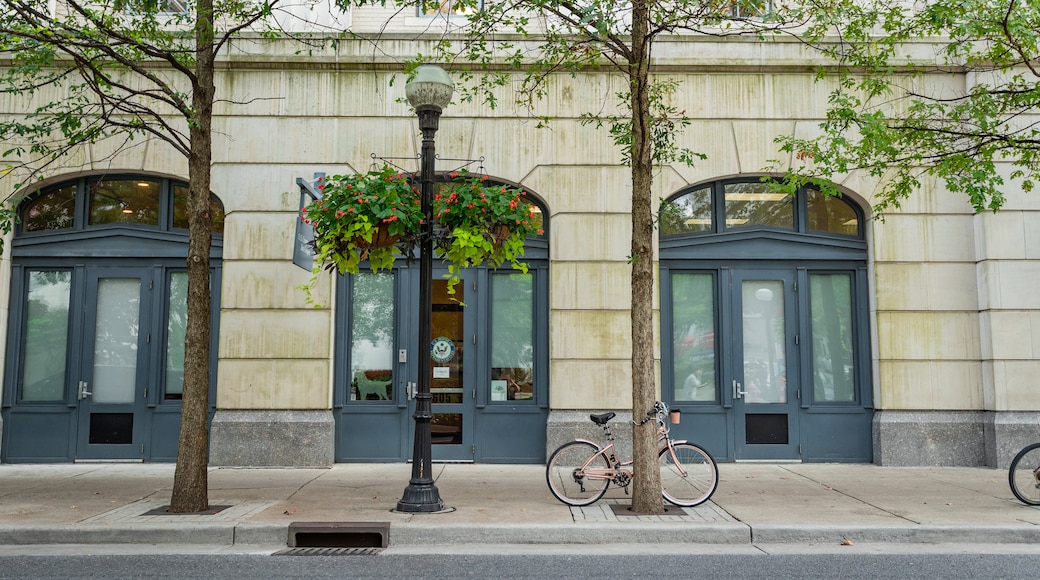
(429, 92)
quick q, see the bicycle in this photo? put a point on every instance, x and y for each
(1024, 475)
(579, 472)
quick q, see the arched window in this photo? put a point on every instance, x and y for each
(125, 200)
(726, 206)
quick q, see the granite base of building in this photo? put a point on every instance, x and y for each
(922, 438)
(952, 438)
(1007, 432)
(564, 426)
(272, 439)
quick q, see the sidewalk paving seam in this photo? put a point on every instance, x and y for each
(850, 496)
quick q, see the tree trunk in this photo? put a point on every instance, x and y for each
(190, 482)
(646, 494)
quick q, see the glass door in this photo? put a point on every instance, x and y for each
(765, 364)
(452, 381)
(112, 387)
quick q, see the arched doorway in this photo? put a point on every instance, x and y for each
(765, 320)
(95, 347)
(490, 354)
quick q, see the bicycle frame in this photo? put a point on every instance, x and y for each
(608, 451)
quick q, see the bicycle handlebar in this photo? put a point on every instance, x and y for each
(660, 411)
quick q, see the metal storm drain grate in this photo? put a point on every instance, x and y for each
(626, 511)
(339, 535)
(328, 552)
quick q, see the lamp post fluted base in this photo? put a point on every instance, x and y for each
(420, 498)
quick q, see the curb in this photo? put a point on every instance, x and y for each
(882, 534)
(218, 534)
(413, 534)
(408, 534)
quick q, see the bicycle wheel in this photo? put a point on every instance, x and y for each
(1024, 475)
(565, 480)
(700, 481)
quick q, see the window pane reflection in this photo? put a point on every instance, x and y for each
(176, 327)
(833, 363)
(512, 337)
(693, 337)
(687, 213)
(46, 336)
(372, 343)
(758, 204)
(765, 345)
(126, 201)
(830, 214)
(180, 210)
(115, 340)
(54, 210)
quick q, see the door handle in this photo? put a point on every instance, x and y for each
(82, 393)
(410, 390)
(737, 392)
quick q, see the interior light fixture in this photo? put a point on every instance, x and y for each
(736, 221)
(144, 184)
(698, 222)
(851, 222)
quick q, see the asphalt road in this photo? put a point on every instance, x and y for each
(939, 563)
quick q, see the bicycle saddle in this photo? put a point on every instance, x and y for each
(602, 419)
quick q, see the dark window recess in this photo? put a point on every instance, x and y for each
(766, 429)
(111, 428)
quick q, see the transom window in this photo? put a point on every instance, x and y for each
(447, 8)
(733, 205)
(742, 9)
(143, 201)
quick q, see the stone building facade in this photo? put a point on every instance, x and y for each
(788, 329)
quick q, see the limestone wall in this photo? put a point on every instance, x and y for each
(955, 308)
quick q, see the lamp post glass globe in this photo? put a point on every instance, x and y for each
(430, 87)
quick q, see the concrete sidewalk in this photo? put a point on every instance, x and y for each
(510, 504)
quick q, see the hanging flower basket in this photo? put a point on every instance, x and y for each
(372, 216)
(481, 223)
(381, 238)
(377, 216)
